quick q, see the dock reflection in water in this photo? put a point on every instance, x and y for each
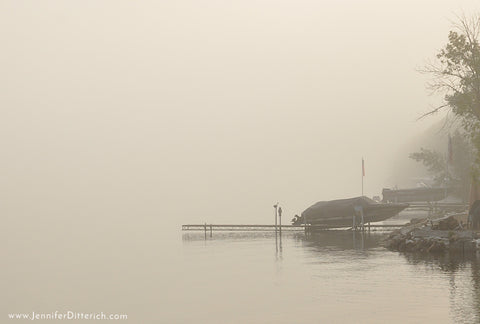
(342, 240)
(340, 274)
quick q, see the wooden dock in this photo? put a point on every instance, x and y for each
(425, 206)
(258, 227)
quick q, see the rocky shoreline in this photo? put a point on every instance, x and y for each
(442, 235)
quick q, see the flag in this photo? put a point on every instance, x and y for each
(363, 168)
(450, 149)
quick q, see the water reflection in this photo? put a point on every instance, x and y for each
(345, 267)
(322, 240)
(463, 273)
(341, 240)
(231, 236)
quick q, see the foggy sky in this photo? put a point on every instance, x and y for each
(193, 111)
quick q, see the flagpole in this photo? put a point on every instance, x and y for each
(362, 185)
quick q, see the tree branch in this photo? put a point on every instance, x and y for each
(431, 112)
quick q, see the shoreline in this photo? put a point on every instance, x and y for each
(446, 234)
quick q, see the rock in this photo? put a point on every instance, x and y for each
(449, 223)
(410, 245)
(452, 237)
(418, 220)
(469, 246)
(443, 235)
(436, 247)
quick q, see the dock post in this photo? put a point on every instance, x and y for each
(205, 227)
(280, 220)
(210, 230)
(359, 210)
(275, 206)
(363, 219)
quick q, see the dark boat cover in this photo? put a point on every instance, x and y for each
(338, 207)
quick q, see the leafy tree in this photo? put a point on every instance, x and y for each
(456, 73)
(435, 163)
(455, 171)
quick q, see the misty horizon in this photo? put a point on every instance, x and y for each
(123, 120)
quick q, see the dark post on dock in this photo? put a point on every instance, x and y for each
(280, 218)
(275, 206)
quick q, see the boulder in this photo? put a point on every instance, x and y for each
(449, 223)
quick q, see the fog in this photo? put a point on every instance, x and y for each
(207, 110)
(121, 120)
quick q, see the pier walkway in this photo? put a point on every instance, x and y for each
(258, 227)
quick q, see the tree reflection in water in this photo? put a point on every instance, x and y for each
(463, 274)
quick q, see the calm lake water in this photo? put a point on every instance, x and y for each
(330, 277)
